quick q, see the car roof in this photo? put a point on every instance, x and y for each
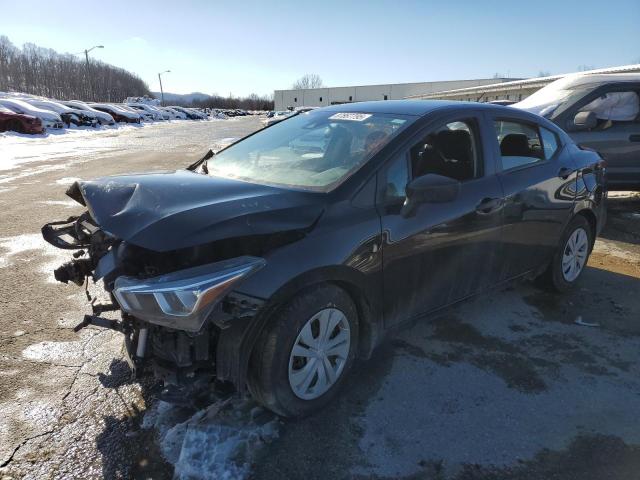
(405, 107)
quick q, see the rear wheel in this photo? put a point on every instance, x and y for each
(302, 358)
(571, 257)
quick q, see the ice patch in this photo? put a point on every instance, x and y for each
(218, 442)
(19, 245)
(53, 351)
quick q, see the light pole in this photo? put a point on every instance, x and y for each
(162, 91)
(86, 56)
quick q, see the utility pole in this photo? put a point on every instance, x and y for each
(86, 56)
(161, 90)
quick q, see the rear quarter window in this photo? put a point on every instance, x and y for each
(550, 142)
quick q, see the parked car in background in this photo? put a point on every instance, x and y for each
(17, 122)
(69, 115)
(198, 114)
(148, 111)
(277, 117)
(146, 115)
(163, 113)
(174, 114)
(118, 114)
(601, 112)
(190, 115)
(103, 118)
(48, 118)
(275, 266)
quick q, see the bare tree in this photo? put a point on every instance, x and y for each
(544, 73)
(310, 80)
(42, 71)
(251, 102)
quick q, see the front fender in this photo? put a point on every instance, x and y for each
(236, 343)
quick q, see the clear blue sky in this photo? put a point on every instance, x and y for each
(246, 46)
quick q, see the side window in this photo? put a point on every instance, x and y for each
(397, 179)
(614, 107)
(451, 151)
(519, 143)
(549, 142)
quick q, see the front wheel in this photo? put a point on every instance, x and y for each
(303, 356)
(571, 257)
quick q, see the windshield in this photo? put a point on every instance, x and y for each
(316, 150)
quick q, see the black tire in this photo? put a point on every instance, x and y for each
(553, 279)
(268, 376)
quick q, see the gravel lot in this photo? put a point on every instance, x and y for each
(506, 386)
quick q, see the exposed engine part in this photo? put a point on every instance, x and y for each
(142, 342)
(100, 322)
(75, 271)
(180, 358)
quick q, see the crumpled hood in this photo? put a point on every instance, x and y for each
(171, 210)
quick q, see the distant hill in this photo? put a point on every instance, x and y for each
(181, 97)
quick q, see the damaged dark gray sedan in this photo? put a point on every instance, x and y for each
(278, 261)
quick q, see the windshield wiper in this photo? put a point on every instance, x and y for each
(202, 162)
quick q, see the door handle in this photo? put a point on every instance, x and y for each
(488, 205)
(564, 172)
(634, 138)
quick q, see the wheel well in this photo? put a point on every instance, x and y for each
(368, 327)
(593, 222)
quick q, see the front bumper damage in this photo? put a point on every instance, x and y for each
(187, 361)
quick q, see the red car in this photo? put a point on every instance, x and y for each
(18, 122)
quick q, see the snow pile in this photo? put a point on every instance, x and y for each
(147, 100)
(218, 442)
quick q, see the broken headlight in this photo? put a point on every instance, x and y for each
(184, 299)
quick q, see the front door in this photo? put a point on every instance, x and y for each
(440, 252)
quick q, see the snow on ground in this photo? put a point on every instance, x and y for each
(25, 248)
(19, 149)
(218, 442)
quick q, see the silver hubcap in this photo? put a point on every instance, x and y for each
(319, 354)
(575, 254)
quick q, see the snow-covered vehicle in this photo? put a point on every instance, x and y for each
(17, 122)
(198, 113)
(188, 112)
(118, 114)
(146, 115)
(148, 111)
(102, 117)
(69, 115)
(49, 119)
(600, 112)
(174, 114)
(163, 113)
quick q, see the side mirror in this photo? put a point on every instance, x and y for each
(585, 120)
(430, 188)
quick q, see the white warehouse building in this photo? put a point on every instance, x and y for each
(322, 97)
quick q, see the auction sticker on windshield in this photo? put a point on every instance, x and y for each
(355, 117)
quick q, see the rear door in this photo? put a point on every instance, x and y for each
(538, 177)
(617, 135)
(442, 252)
